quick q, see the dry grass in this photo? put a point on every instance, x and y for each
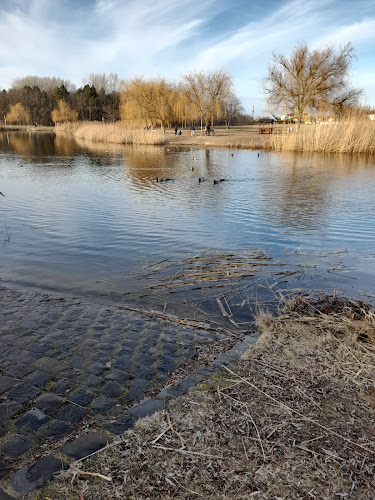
(355, 135)
(292, 419)
(115, 133)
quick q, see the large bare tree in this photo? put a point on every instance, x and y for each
(207, 91)
(311, 79)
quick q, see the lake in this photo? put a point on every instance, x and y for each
(85, 218)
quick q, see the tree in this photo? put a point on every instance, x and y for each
(150, 101)
(207, 91)
(60, 92)
(219, 85)
(109, 83)
(196, 87)
(64, 113)
(18, 114)
(231, 108)
(311, 78)
(46, 83)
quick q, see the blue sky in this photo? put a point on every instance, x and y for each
(71, 38)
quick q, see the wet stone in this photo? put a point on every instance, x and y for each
(49, 403)
(96, 368)
(8, 410)
(62, 387)
(7, 383)
(17, 446)
(103, 404)
(89, 343)
(71, 413)
(58, 430)
(2, 432)
(121, 424)
(113, 389)
(146, 407)
(39, 379)
(85, 445)
(167, 367)
(82, 397)
(145, 372)
(20, 370)
(24, 392)
(37, 475)
(118, 376)
(32, 420)
(91, 381)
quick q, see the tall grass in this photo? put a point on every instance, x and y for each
(115, 133)
(353, 135)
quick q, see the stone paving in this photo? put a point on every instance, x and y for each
(66, 361)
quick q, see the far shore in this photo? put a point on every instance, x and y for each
(240, 137)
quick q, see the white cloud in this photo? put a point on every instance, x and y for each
(149, 37)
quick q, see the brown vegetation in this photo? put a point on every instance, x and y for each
(292, 419)
(64, 113)
(354, 135)
(115, 133)
(18, 114)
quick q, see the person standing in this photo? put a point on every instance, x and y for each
(192, 130)
(175, 129)
(208, 128)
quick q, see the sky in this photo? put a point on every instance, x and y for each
(71, 39)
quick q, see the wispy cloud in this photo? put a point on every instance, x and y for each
(148, 37)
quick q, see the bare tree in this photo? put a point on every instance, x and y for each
(109, 83)
(310, 79)
(45, 83)
(231, 108)
(219, 85)
(207, 91)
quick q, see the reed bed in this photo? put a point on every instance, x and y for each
(223, 287)
(292, 419)
(355, 135)
(115, 133)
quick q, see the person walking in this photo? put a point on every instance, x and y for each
(208, 128)
(192, 130)
(175, 129)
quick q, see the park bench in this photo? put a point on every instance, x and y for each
(266, 128)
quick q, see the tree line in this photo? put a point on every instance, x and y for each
(200, 97)
(33, 99)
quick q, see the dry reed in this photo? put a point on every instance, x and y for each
(354, 135)
(115, 133)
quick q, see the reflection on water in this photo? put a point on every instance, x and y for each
(89, 216)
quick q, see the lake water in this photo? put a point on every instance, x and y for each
(86, 218)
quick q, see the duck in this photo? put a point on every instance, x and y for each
(2, 194)
(216, 182)
(200, 179)
(192, 168)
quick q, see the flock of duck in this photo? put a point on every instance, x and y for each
(200, 179)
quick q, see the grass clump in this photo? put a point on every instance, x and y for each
(292, 419)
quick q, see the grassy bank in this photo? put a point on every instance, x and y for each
(355, 135)
(292, 419)
(115, 133)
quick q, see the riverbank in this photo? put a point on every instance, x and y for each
(292, 419)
